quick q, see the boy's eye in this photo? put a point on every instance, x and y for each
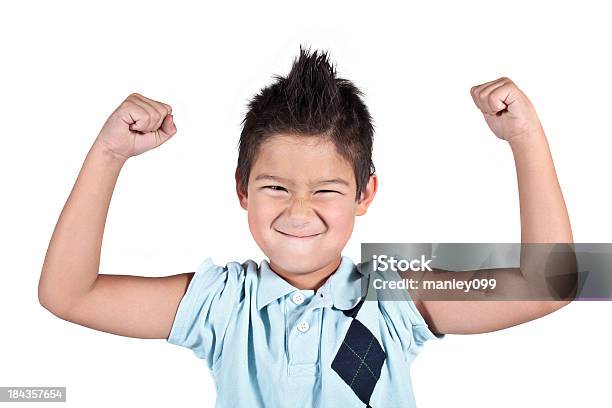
(279, 188)
(276, 188)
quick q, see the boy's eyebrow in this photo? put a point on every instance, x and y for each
(287, 181)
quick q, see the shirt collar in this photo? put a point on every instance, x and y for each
(344, 285)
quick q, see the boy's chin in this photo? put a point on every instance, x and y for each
(300, 264)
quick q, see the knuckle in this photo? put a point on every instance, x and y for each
(127, 104)
(159, 113)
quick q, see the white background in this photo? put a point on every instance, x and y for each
(444, 177)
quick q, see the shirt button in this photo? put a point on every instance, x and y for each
(298, 298)
(303, 326)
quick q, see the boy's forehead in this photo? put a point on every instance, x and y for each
(303, 157)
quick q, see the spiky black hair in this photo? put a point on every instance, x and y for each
(310, 101)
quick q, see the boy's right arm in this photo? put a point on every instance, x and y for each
(70, 286)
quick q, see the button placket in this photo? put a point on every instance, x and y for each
(302, 333)
(298, 298)
(303, 326)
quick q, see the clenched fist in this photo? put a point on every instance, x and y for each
(137, 125)
(506, 109)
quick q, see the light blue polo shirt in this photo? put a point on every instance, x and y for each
(270, 345)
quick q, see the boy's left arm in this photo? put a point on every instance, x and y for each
(544, 219)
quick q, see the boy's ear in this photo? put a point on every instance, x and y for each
(241, 196)
(367, 195)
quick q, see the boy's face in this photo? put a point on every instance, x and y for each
(301, 202)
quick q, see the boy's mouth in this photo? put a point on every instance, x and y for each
(297, 236)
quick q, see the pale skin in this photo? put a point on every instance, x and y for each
(301, 208)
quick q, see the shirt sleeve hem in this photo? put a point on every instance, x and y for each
(185, 309)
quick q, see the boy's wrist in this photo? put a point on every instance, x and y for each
(105, 152)
(524, 142)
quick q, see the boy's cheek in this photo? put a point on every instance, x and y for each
(259, 223)
(342, 212)
(262, 209)
(341, 222)
(264, 218)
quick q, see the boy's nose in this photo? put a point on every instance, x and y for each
(298, 207)
(300, 218)
(300, 213)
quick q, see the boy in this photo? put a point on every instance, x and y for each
(293, 330)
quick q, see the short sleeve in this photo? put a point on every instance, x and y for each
(402, 314)
(421, 330)
(206, 309)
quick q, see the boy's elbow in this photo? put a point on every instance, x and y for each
(52, 304)
(49, 305)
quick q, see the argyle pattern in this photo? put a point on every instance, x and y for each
(360, 358)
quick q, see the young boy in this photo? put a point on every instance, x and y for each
(291, 331)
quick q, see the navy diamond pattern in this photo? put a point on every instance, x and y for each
(360, 359)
